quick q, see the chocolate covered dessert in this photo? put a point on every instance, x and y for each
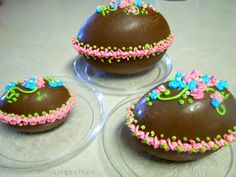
(125, 37)
(35, 104)
(186, 118)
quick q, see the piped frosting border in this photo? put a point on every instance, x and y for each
(191, 146)
(146, 50)
(39, 120)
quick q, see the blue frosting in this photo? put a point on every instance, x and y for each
(215, 103)
(10, 86)
(205, 78)
(222, 85)
(192, 85)
(31, 83)
(154, 95)
(138, 3)
(55, 83)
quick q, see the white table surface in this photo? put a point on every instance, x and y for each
(35, 39)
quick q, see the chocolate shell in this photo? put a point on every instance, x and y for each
(35, 104)
(185, 118)
(124, 39)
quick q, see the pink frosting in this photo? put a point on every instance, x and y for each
(119, 54)
(55, 115)
(172, 145)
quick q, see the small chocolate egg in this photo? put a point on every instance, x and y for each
(186, 118)
(124, 37)
(35, 104)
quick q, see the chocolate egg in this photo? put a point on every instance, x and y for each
(125, 37)
(35, 104)
(188, 117)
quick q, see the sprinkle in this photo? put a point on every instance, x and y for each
(30, 116)
(162, 135)
(152, 133)
(208, 139)
(184, 96)
(143, 127)
(181, 102)
(190, 101)
(173, 138)
(185, 138)
(198, 139)
(179, 148)
(167, 92)
(229, 131)
(149, 103)
(147, 46)
(218, 137)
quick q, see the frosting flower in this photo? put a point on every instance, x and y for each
(55, 83)
(217, 96)
(10, 86)
(197, 94)
(192, 85)
(30, 83)
(205, 78)
(222, 85)
(154, 95)
(215, 103)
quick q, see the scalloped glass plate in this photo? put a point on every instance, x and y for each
(27, 151)
(123, 85)
(129, 160)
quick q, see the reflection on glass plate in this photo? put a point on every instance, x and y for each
(129, 160)
(26, 151)
(119, 84)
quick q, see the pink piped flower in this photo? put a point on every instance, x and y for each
(187, 78)
(32, 121)
(217, 96)
(197, 94)
(41, 120)
(40, 82)
(212, 81)
(161, 88)
(195, 74)
(201, 86)
(123, 4)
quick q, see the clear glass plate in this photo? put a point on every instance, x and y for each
(129, 160)
(123, 85)
(27, 151)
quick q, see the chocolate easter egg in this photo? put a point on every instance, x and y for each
(188, 117)
(35, 104)
(125, 37)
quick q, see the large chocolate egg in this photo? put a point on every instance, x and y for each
(124, 37)
(186, 118)
(35, 104)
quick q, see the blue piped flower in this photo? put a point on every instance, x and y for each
(215, 103)
(59, 83)
(138, 3)
(205, 78)
(178, 76)
(10, 85)
(31, 83)
(98, 9)
(154, 96)
(222, 85)
(54, 84)
(182, 84)
(114, 6)
(119, 1)
(173, 84)
(192, 85)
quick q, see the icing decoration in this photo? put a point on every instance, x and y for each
(192, 87)
(31, 85)
(140, 51)
(173, 143)
(37, 118)
(134, 7)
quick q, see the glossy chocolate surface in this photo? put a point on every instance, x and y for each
(51, 98)
(127, 67)
(198, 119)
(120, 30)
